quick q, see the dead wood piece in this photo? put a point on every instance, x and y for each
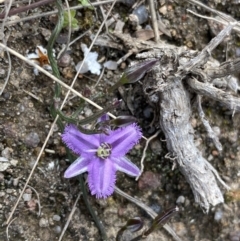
(207, 126)
(206, 52)
(206, 89)
(165, 86)
(225, 69)
(175, 123)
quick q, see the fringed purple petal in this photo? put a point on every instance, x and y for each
(101, 177)
(77, 167)
(123, 164)
(123, 139)
(78, 142)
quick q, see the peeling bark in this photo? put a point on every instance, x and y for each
(175, 122)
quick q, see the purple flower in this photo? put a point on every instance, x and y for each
(101, 156)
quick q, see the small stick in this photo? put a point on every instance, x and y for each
(217, 175)
(154, 20)
(55, 11)
(28, 61)
(205, 53)
(33, 96)
(206, 89)
(2, 37)
(144, 152)
(104, 15)
(63, 103)
(148, 210)
(69, 29)
(8, 227)
(25, 8)
(39, 204)
(69, 217)
(100, 77)
(220, 21)
(207, 126)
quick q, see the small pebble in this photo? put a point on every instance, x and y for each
(7, 95)
(141, 13)
(234, 236)
(237, 52)
(156, 207)
(21, 108)
(3, 159)
(3, 73)
(216, 130)
(56, 218)
(32, 204)
(32, 139)
(64, 60)
(123, 65)
(43, 223)
(218, 215)
(2, 194)
(57, 229)
(1, 177)
(149, 180)
(215, 153)
(112, 65)
(180, 200)
(13, 162)
(163, 10)
(28, 190)
(15, 182)
(156, 146)
(109, 74)
(6, 152)
(148, 112)
(27, 197)
(210, 158)
(8, 190)
(88, 112)
(232, 136)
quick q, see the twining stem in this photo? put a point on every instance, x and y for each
(54, 109)
(25, 8)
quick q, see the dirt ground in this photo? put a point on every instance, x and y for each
(25, 122)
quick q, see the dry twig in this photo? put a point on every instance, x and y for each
(148, 210)
(69, 217)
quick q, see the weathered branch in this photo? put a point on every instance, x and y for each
(165, 86)
(225, 69)
(175, 123)
(207, 126)
(206, 89)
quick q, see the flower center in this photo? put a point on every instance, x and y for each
(104, 150)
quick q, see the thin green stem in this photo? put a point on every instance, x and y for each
(54, 110)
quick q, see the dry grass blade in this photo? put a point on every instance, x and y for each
(69, 28)
(64, 101)
(69, 217)
(13, 52)
(144, 151)
(149, 211)
(154, 20)
(39, 203)
(8, 228)
(55, 11)
(236, 28)
(2, 37)
(23, 9)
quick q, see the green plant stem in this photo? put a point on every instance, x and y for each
(94, 216)
(54, 110)
(51, 42)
